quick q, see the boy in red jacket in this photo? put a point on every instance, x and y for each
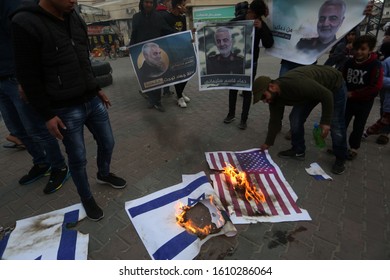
(363, 75)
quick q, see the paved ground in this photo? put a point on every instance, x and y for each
(350, 215)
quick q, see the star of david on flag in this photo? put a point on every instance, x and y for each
(154, 218)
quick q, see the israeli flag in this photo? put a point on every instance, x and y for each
(154, 217)
(317, 172)
(47, 237)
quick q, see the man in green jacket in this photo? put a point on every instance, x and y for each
(303, 88)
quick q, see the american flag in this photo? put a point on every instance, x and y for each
(262, 172)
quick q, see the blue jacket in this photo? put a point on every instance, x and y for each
(386, 84)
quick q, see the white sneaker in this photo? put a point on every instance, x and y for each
(181, 102)
(186, 98)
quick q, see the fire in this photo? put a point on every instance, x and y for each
(189, 225)
(241, 184)
(204, 222)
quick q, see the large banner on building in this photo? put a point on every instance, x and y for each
(225, 55)
(164, 61)
(304, 30)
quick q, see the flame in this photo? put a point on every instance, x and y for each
(240, 183)
(189, 225)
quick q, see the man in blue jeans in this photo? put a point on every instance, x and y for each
(52, 64)
(20, 118)
(304, 87)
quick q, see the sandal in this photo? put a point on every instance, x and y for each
(14, 146)
(17, 144)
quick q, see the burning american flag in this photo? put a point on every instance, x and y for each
(280, 199)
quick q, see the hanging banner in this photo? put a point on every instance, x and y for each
(304, 30)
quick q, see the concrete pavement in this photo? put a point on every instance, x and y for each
(350, 215)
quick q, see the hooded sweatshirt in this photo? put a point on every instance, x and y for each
(363, 80)
(148, 26)
(52, 59)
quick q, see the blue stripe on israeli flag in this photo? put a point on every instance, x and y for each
(168, 198)
(3, 244)
(68, 241)
(174, 246)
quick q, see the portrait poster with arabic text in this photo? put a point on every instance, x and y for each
(304, 30)
(225, 55)
(164, 61)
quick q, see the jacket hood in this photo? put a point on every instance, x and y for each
(32, 7)
(27, 6)
(141, 5)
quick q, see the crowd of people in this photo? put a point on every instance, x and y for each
(48, 91)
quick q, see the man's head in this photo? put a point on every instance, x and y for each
(265, 89)
(58, 7)
(330, 18)
(224, 41)
(152, 54)
(257, 9)
(148, 5)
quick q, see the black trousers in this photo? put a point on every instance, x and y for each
(360, 112)
(247, 100)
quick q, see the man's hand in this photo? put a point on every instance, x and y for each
(53, 126)
(22, 95)
(258, 23)
(264, 147)
(104, 99)
(324, 130)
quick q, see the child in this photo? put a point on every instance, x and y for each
(363, 75)
(383, 124)
(343, 51)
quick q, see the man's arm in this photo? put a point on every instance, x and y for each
(267, 39)
(27, 49)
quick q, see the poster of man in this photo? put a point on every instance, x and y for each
(164, 61)
(306, 30)
(225, 55)
(226, 61)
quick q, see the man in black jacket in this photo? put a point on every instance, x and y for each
(149, 24)
(53, 67)
(20, 118)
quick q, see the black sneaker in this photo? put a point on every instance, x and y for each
(159, 107)
(36, 172)
(242, 125)
(338, 167)
(229, 119)
(291, 154)
(94, 212)
(113, 180)
(57, 179)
